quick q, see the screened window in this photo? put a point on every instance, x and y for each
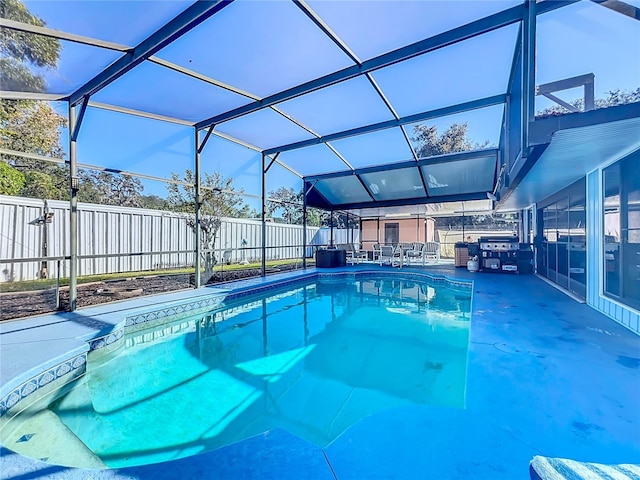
(562, 248)
(621, 236)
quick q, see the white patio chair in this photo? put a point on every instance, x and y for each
(354, 255)
(432, 250)
(418, 252)
(390, 255)
(375, 252)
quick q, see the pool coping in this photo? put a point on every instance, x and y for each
(70, 336)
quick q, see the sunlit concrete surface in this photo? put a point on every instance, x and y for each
(546, 376)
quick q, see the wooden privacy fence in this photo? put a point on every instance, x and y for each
(114, 239)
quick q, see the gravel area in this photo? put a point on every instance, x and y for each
(25, 304)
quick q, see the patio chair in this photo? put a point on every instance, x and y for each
(375, 252)
(390, 255)
(354, 255)
(432, 250)
(418, 252)
(406, 246)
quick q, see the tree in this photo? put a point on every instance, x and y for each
(33, 127)
(42, 185)
(454, 139)
(218, 199)
(27, 125)
(108, 188)
(314, 217)
(154, 202)
(22, 53)
(286, 202)
(11, 180)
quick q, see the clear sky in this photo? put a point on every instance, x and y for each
(266, 46)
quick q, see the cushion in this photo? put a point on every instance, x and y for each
(544, 468)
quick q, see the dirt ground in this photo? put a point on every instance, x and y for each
(25, 304)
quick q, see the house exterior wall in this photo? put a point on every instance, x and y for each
(410, 230)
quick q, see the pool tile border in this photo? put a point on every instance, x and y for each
(71, 369)
(163, 313)
(106, 340)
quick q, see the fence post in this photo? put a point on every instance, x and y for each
(58, 286)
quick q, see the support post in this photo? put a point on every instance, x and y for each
(331, 229)
(507, 137)
(589, 96)
(73, 210)
(264, 217)
(528, 72)
(197, 205)
(304, 226)
(463, 218)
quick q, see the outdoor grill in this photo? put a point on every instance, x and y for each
(499, 254)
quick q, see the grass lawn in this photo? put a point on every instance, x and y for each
(30, 285)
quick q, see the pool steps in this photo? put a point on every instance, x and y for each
(42, 435)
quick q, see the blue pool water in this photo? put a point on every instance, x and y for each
(313, 360)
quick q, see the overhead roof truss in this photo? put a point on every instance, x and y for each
(202, 10)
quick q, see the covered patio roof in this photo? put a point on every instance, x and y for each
(446, 178)
(329, 91)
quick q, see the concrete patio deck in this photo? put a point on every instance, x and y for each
(546, 376)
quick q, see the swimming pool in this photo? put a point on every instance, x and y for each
(312, 358)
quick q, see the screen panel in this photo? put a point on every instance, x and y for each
(350, 104)
(152, 88)
(260, 47)
(233, 161)
(395, 184)
(123, 22)
(465, 71)
(460, 176)
(472, 130)
(314, 160)
(399, 23)
(376, 148)
(135, 144)
(265, 129)
(343, 190)
(588, 32)
(47, 65)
